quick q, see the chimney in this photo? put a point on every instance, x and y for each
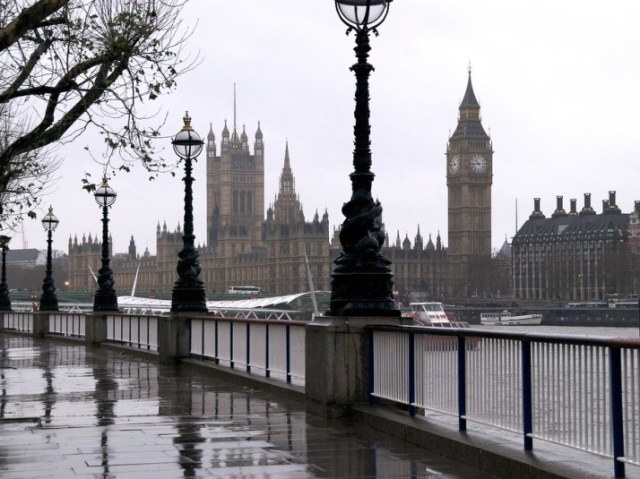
(574, 207)
(611, 204)
(605, 206)
(559, 208)
(637, 206)
(587, 209)
(536, 210)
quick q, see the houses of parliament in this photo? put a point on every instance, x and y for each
(567, 256)
(279, 252)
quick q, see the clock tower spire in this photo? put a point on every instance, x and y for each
(469, 173)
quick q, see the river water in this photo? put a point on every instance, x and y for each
(586, 331)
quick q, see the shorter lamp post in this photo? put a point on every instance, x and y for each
(49, 300)
(188, 293)
(5, 301)
(105, 298)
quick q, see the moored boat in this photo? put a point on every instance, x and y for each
(507, 318)
(432, 314)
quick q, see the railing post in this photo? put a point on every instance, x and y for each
(617, 427)
(248, 346)
(216, 350)
(288, 353)
(231, 362)
(371, 365)
(412, 375)
(267, 371)
(527, 392)
(462, 384)
(203, 338)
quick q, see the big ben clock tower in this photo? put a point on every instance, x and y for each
(469, 178)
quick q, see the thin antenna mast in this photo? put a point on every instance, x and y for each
(516, 215)
(234, 107)
(25, 245)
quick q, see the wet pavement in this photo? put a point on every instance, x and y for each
(71, 412)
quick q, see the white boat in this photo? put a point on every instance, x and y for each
(507, 318)
(431, 313)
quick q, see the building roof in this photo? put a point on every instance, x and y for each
(469, 123)
(609, 225)
(22, 255)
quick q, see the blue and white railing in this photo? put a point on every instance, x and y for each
(580, 392)
(273, 349)
(134, 331)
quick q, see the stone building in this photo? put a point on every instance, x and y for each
(419, 270)
(576, 255)
(469, 171)
(243, 247)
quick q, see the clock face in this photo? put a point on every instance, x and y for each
(478, 163)
(454, 164)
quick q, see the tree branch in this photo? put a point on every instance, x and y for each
(25, 72)
(30, 18)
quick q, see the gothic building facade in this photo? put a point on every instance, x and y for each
(469, 177)
(280, 252)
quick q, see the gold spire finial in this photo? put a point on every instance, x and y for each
(187, 122)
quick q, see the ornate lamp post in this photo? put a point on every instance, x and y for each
(188, 292)
(362, 282)
(105, 298)
(48, 300)
(5, 301)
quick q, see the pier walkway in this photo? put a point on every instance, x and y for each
(71, 412)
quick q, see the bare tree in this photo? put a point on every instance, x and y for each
(68, 64)
(27, 175)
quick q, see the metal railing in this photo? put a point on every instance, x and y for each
(274, 349)
(68, 324)
(135, 331)
(18, 321)
(580, 392)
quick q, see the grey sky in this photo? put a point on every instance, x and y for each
(557, 83)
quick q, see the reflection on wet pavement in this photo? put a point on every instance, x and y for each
(70, 412)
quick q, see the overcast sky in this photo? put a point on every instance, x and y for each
(558, 84)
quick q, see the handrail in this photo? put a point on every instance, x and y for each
(583, 392)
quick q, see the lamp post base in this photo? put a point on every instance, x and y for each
(188, 298)
(48, 302)
(5, 301)
(363, 293)
(105, 301)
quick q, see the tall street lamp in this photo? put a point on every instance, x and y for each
(5, 300)
(362, 282)
(48, 300)
(105, 298)
(188, 293)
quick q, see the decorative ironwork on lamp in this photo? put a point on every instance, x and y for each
(105, 298)
(362, 281)
(188, 293)
(48, 299)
